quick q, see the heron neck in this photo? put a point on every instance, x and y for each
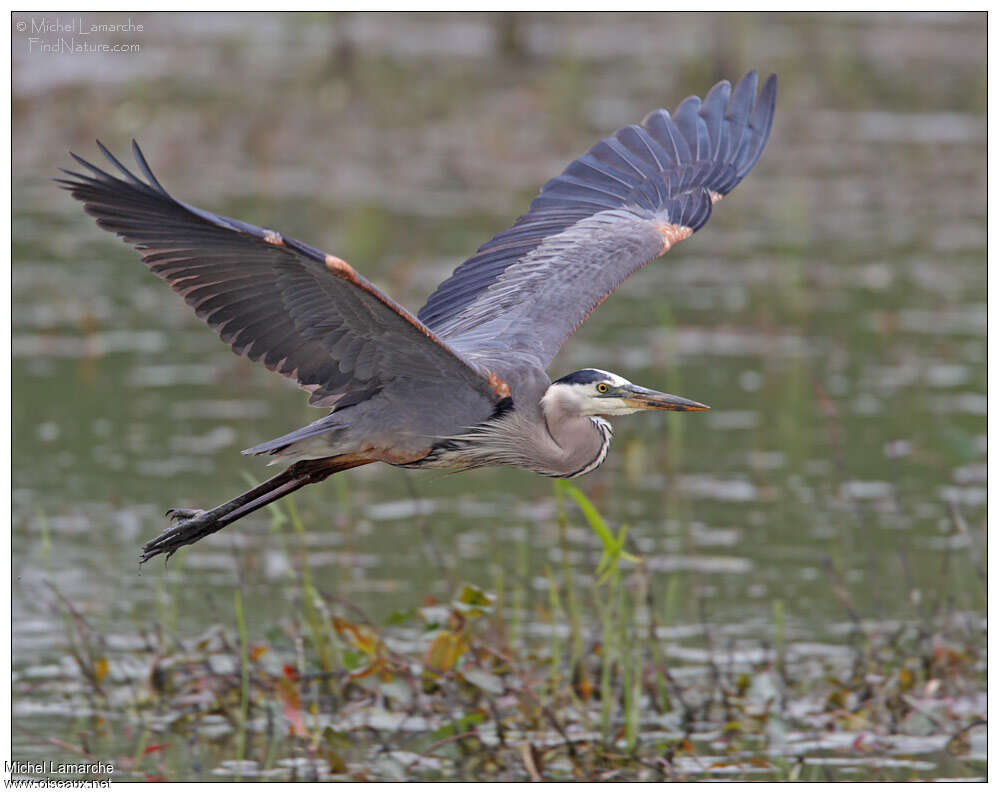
(582, 442)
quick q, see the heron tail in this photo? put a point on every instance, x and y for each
(276, 445)
(193, 525)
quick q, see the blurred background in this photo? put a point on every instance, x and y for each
(832, 313)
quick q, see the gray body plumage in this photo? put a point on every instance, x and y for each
(501, 434)
(462, 384)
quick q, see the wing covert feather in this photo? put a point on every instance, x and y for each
(295, 309)
(625, 202)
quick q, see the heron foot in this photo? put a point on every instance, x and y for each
(189, 527)
(182, 513)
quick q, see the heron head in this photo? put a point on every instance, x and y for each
(593, 392)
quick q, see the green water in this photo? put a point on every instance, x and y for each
(832, 314)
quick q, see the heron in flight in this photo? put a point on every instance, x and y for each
(462, 384)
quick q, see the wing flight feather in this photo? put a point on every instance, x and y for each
(622, 204)
(294, 308)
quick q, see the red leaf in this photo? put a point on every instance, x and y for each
(291, 706)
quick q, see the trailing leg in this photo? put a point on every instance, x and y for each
(193, 525)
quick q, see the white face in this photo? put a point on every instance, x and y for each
(589, 399)
(597, 401)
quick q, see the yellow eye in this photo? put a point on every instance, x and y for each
(602, 388)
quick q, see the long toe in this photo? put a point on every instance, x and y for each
(193, 526)
(182, 513)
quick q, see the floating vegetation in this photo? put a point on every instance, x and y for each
(503, 684)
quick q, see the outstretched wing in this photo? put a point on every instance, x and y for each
(621, 205)
(299, 311)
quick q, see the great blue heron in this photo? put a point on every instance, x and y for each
(462, 384)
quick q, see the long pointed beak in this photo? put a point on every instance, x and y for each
(648, 400)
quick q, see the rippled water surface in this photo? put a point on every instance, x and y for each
(832, 313)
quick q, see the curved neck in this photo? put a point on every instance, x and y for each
(555, 443)
(582, 442)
